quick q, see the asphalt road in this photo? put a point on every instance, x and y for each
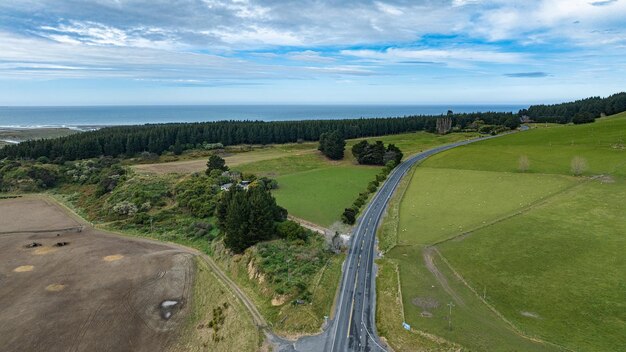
(353, 328)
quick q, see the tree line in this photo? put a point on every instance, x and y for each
(579, 111)
(127, 141)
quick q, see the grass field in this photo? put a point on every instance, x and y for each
(218, 321)
(320, 195)
(541, 253)
(558, 270)
(312, 187)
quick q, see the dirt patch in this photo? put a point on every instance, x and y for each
(530, 315)
(102, 307)
(33, 214)
(425, 302)
(24, 268)
(426, 314)
(429, 261)
(44, 250)
(279, 300)
(604, 178)
(55, 287)
(112, 258)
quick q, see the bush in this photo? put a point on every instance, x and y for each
(349, 216)
(125, 208)
(292, 231)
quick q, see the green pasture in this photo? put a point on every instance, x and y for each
(541, 252)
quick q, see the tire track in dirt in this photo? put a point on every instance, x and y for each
(429, 261)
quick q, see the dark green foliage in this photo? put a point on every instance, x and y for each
(158, 138)
(583, 117)
(292, 231)
(376, 153)
(332, 144)
(268, 183)
(27, 176)
(247, 217)
(579, 111)
(44, 177)
(197, 195)
(512, 122)
(393, 153)
(110, 179)
(215, 162)
(349, 216)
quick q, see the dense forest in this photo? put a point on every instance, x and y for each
(177, 137)
(579, 111)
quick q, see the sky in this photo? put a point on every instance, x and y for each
(144, 52)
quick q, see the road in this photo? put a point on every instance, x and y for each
(353, 328)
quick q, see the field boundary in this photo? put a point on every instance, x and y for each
(520, 211)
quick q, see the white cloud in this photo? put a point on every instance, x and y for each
(437, 55)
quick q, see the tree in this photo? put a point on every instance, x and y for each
(523, 163)
(349, 216)
(247, 217)
(332, 144)
(376, 154)
(215, 163)
(578, 165)
(292, 231)
(512, 122)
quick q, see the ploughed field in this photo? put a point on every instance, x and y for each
(68, 287)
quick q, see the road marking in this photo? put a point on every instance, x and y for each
(356, 279)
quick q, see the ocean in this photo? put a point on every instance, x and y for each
(95, 116)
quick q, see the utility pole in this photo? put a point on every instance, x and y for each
(485, 293)
(450, 316)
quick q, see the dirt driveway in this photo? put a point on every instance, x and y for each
(85, 291)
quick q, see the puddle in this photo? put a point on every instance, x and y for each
(168, 308)
(61, 244)
(33, 245)
(168, 304)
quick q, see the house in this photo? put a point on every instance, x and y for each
(226, 186)
(244, 184)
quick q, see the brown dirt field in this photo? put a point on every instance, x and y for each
(73, 298)
(33, 214)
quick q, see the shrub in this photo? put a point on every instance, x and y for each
(125, 208)
(578, 165)
(292, 231)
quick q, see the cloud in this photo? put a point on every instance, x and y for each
(537, 74)
(309, 56)
(436, 55)
(602, 3)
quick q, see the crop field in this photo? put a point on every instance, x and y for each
(64, 288)
(531, 260)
